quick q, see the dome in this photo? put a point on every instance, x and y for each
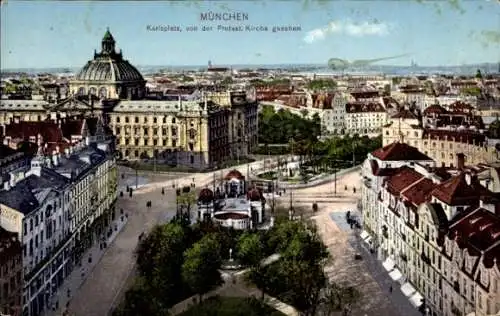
(234, 174)
(108, 70)
(206, 196)
(108, 65)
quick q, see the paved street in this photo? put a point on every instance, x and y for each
(106, 282)
(73, 282)
(341, 243)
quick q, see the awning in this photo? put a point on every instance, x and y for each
(408, 289)
(388, 264)
(396, 275)
(416, 300)
(364, 235)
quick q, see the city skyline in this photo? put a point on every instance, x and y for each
(435, 34)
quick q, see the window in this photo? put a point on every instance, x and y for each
(25, 228)
(126, 119)
(192, 159)
(155, 120)
(117, 119)
(173, 120)
(137, 119)
(31, 224)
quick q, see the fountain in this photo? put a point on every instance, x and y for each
(231, 264)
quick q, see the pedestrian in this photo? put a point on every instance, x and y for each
(390, 289)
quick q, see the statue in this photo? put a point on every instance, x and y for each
(230, 254)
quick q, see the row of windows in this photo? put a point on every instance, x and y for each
(146, 119)
(146, 131)
(146, 142)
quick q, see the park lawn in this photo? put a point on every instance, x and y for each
(231, 306)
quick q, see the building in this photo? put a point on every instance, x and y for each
(11, 269)
(232, 204)
(364, 118)
(59, 208)
(109, 75)
(437, 230)
(176, 132)
(440, 134)
(208, 129)
(12, 163)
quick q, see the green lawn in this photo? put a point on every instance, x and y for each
(231, 306)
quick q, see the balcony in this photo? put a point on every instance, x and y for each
(456, 287)
(403, 257)
(426, 238)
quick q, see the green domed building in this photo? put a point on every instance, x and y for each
(109, 75)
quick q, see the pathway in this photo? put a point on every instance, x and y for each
(108, 280)
(236, 286)
(75, 280)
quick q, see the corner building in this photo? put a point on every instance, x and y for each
(436, 229)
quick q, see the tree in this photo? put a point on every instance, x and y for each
(201, 266)
(142, 299)
(304, 283)
(159, 262)
(322, 84)
(337, 298)
(250, 250)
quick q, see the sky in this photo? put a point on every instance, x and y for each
(46, 34)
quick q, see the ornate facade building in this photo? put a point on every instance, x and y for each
(230, 206)
(437, 230)
(201, 133)
(60, 203)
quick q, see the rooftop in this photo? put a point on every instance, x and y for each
(400, 152)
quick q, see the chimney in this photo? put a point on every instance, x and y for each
(66, 152)
(460, 161)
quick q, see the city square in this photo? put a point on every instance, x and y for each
(172, 161)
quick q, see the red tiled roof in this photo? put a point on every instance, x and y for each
(234, 174)
(405, 114)
(206, 195)
(50, 131)
(226, 216)
(456, 191)
(398, 182)
(435, 109)
(72, 128)
(420, 192)
(399, 152)
(363, 107)
(477, 231)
